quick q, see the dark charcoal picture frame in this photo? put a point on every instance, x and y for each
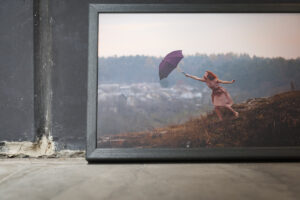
(94, 154)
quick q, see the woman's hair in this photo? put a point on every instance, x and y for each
(211, 76)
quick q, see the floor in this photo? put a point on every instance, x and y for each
(75, 179)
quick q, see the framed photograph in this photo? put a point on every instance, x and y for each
(186, 82)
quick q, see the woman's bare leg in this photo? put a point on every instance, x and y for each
(218, 113)
(236, 114)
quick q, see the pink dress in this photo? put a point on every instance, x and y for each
(219, 96)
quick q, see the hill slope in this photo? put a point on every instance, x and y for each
(273, 121)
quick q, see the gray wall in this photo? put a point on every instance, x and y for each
(70, 42)
(16, 70)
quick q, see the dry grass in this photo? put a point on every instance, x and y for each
(273, 121)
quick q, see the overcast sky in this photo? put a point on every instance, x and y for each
(266, 35)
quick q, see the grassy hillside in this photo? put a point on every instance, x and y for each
(266, 122)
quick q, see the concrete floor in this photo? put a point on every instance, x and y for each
(74, 179)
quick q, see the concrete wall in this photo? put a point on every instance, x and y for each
(16, 70)
(70, 43)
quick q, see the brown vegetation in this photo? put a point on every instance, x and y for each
(263, 122)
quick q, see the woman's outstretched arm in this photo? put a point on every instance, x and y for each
(226, 82)
(195, 77)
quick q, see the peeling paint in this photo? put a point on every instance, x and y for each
(44, 147)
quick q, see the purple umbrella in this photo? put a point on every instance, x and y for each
(169, 63)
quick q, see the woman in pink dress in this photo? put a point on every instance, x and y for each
(220, 97)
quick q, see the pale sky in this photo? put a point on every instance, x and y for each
(264, 35)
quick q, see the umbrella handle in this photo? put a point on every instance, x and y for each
(179, 69)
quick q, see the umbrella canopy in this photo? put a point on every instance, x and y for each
(169, 63)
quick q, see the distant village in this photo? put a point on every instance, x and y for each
(143, 106)
(149, 92)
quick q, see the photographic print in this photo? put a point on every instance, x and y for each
(196, 80)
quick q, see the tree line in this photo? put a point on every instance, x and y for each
(255, 76)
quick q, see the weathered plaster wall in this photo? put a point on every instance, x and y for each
(16, 70)
(70, 42)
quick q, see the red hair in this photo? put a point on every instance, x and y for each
(211, 75)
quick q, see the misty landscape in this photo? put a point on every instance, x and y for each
(144, 106)
(131, 98)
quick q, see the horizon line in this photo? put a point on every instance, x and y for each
(203, 54)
